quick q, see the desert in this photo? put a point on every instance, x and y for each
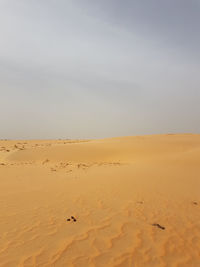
(99, 133)
(128, 201)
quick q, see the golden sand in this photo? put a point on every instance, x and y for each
(131, 201)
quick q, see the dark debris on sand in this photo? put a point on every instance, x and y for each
(72, 218)
(159, 226)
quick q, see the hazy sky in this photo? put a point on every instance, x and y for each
(99, 68)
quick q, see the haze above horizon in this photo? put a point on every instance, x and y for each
(95, 69)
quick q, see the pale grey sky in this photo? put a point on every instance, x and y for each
(92, 69)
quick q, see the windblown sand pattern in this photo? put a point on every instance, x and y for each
(132, 201)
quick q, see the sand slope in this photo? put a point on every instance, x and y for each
(135, 202)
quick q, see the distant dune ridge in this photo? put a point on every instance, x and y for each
(129, 201)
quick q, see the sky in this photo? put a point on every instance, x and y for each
(95, 69)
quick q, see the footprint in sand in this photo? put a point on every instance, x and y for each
(45, 161)
(194, 203)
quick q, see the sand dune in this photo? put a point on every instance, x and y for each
(130, 201)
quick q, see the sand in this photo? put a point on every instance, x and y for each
(130, 201)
